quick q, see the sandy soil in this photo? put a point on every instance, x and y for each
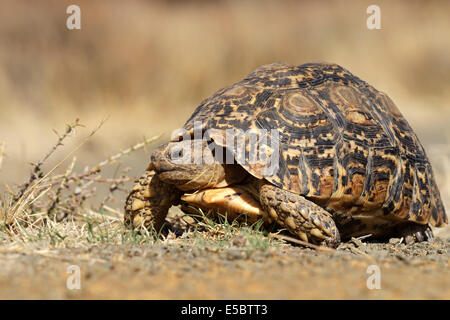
(171, 270)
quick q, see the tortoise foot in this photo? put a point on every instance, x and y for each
(299, 216)
(413, 232)
(149, 201)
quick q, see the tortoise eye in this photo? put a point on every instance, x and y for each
(179, 153)
(176, 152)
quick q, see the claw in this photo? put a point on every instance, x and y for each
(429, 234)
(419, 236)
(413, 232)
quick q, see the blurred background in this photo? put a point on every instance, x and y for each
(145, 65)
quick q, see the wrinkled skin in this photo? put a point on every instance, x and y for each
(174, 170)
(190, 166)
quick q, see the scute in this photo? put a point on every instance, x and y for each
(341, 143)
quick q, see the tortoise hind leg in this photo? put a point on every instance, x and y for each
(299, 216)
(149, 201)
(414, 232)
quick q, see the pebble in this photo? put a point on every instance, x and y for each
(235, 254)
(395, 240)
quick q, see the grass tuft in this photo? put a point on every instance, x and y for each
(55, 206)
(214, 230)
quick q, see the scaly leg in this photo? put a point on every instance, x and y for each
(149, 201)
(299, 216)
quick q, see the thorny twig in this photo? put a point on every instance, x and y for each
(61, 186)
(301, 242)
(36, 171)
(58, 196)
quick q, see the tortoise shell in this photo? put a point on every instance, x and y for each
(341, 143)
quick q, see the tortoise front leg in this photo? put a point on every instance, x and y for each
(299, 216)
(149, 201)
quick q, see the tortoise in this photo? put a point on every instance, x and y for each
(347, 163)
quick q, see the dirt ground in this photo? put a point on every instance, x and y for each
(171, 270)
(144, 66)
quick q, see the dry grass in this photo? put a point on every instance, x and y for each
(54, 205)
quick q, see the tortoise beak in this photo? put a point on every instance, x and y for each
(150, 167)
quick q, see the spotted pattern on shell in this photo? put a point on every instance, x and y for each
(342, 144)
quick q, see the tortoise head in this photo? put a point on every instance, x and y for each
(191, 165)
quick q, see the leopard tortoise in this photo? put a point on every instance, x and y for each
(348, 164)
